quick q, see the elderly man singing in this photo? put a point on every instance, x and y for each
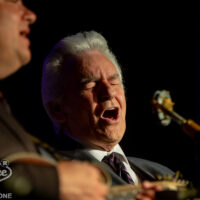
(83, 94)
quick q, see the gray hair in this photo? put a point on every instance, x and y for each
(52, 77)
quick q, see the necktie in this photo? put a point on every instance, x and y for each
(118, 167)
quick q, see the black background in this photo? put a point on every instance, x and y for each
(155, 50)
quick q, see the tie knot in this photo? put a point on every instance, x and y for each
(113, 161)
(117, 166)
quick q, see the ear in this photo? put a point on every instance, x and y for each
(56, 112)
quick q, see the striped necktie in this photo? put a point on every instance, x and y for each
(118, 167)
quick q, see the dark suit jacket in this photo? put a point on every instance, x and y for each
(145, 169)
(42, 179)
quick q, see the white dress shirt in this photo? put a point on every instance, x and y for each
(99, 155)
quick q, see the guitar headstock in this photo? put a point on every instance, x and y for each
(172, 182)
(162, 105)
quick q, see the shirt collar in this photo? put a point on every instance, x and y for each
(99, 154)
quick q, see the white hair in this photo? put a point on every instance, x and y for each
(68, 47)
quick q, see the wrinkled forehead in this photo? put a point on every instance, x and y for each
(95, 64)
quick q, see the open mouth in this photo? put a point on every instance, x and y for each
(25, 32)
(110, 114)
(24, 35)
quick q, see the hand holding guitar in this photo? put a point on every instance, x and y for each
(148, 191)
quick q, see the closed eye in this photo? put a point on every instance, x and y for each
(115, 81)
(89, 85)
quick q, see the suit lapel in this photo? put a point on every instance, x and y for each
(141, 172)
(72, 149)
(81, 154)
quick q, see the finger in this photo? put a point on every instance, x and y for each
(149, 193)
(147, 184)
(159, 188)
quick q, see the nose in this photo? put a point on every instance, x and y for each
(106, 92)
(29, 15)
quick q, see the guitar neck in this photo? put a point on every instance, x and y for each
(129, 192)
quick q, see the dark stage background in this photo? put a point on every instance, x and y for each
(155, 51)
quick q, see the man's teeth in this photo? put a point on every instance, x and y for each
(110, 108)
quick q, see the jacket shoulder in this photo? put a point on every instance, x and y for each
(150, 167)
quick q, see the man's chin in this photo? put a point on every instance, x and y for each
(15, 65)
(26, 58)
(111, 137)
(23, 62)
